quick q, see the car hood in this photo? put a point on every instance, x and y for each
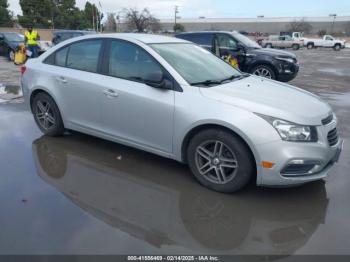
(14, 44)
(271, 98)
(271, 52)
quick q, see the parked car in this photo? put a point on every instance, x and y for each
(9, 41)
(274, 64)
(275, 41)
(62, 35)
(173, 98)
(327, 41)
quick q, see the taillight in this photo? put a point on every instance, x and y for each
(23, 69)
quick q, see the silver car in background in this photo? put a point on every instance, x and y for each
(173, 98)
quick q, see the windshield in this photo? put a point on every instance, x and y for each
(14, 37)
(246, 41)
(195, 64)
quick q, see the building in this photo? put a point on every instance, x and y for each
(271, 25)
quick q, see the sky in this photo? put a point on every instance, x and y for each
(222, 8)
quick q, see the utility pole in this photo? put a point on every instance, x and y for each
(176, 12)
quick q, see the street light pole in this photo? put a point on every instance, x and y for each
(334, 17)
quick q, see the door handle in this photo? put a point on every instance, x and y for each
(61, 79)
(110, 93)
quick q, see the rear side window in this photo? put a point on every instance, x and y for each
(199, 39)
(84, 55)
(60, 57)
(131, 62)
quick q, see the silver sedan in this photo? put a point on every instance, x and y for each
(173, 98)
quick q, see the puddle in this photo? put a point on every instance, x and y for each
(9, 92)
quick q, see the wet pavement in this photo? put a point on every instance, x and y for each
(82, 195)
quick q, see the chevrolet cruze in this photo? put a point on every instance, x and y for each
(173, 98)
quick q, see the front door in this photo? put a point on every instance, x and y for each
(133, 111)
(228, 47)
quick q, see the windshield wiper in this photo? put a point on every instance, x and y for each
(234, 77)
(206, 83)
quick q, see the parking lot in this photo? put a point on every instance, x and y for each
(82, 195)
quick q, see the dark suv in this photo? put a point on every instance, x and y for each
(61, 35)
(251, 57)
(9, 42)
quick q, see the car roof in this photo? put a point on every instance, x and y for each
(207, 32)
(74, 31)
(144, 38)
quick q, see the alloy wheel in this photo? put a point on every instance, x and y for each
(216, 162)
(264, 72)
(45, 115)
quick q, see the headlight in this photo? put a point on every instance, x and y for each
(289, 131)
(285, 59)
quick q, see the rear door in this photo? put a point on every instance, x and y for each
(78, 84)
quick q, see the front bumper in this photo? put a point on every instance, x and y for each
(282, 153)
(287, 71)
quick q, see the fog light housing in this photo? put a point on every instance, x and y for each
(300, 167)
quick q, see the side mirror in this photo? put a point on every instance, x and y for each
(156, 79)
(240, 47)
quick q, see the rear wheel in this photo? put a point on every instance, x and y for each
(268, 46)
(310, 46)
(264, 71)
(47, 115)
(220, 161)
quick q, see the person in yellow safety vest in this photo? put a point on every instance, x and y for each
(31, 41)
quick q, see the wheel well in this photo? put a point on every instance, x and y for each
(201, 128)
(310, 43)
(34, 93)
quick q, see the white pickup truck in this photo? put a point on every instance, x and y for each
(327, 41)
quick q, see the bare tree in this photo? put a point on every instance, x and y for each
(141, 21)
(299, 26)
(110, 24)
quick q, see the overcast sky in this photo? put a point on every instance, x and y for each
(223, 8)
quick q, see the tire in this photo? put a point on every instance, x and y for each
(296, 47)
(264, 71)
(268, 46)
(310, 46)
(11, 55)
(337, 47)
(47, 115)
(220, 161)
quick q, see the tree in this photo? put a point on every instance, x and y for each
(5, 14)
(36, 12)
(179, 28)
(299, 26)
(141, 21)
(111, 24)
(92, 16)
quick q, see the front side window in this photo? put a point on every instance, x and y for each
(194, 63)
(84, 55)
(131, 62)
(225, 41)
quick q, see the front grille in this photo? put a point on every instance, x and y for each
(327, 120)
(333, 137)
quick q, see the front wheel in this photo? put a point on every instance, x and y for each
(47, 115)
(220, 161)
(264, 71)
(296, 47)
(11, 55)
(337, 47)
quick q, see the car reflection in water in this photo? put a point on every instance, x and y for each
(157, 200)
